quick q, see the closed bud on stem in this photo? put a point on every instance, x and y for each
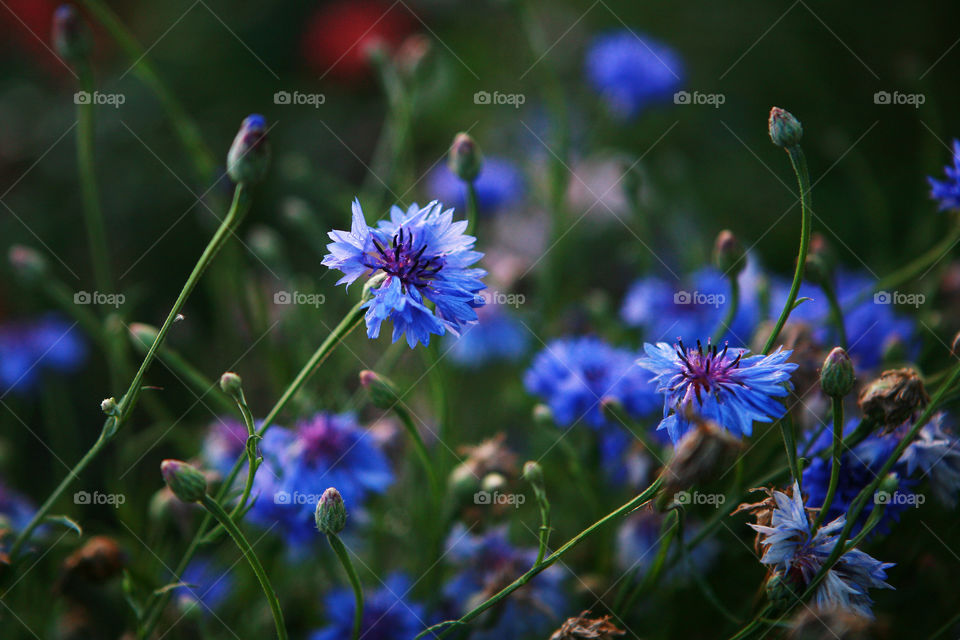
(728, 254)
(889, 484)
(465, 159)
(533, 473)
(383, 393)
(411, 53)
(70, 34)
(110, 407)
(185, 481)
(820, 261)
(837, 376)
(231, 383)
(785, 130)
(612, 408)
(543, 416)
(249, 155)
(893, 398)
(703, 452)
(331, 514)
(782, 591)
(27, 262)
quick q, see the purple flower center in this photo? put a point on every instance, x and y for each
(322, 440)
(400, 259)
(705, 371)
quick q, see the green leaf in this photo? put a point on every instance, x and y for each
(67, 522)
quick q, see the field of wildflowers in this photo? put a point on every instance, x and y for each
(360, 320)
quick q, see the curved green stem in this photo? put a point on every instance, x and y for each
(213, 507)
(253, 462)
(835, 467)
(344, 558)
(727, 321)
(799, 164)
(544, 507)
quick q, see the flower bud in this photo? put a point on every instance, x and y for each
(543, 416)
(728, 254)
(700, 454)
(465, 159)
(110, 407)
(782, 591)
(889, 484)
(785, 130)
(231, 383)
(144, 334)
(27, 262)
(70, 34)
(892, 398)
(185, 481)
(611, 408)
(411, 53)
(331, 514)
(837, 376)
(383, 393)
(533, 473)
(820, 261)
(249, 155)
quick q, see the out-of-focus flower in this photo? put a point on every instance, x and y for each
(29, 348)
(631, 71)
(639, 539)
(225, 441)
(583, 628)
(573, 376)
(424, 256)
(699, 457)
(796, 552)
(322, 451)
(206, 586)
(893, 398)
(486, 564)
(338, 36)
(16, 510)
(498, 335)
(99, 560)
(499, 185)
(947, 192)
(829, 624)
(720, 385)
(936, 452)
(387, 614)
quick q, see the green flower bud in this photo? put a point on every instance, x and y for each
(186, 481)
(465, 159)
(249, 155)
(837, 376)
(331, 514)
(728, 253)
(782, 591)
(533, 473)
(70, 34)
(543, 416)
(231, 383)
(110, 407)
(785, 130)
(383, 393)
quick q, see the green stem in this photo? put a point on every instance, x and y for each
(253, 462)
(731, 309)
(213, 507)
(702, 584)
(422, 454)
(129, 400)
(544, 506)
(789, 441)
(344, 558)
(669, 532)
(472, 206)
(799, 164)
(645, 496)
(835, 468)
(920, 265)
(836, 311)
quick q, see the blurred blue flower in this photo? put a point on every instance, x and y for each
(624, 458)
(30, 347)
(486, 564)
(794, 550)
(631, 72)
(425, 256)
(323, 451)
(498, 335)
(207, 584)
(387, 614)
(947, 192)
(16, 510)
(936, 453)
(572, 375)
(638, 541)
(500, 184)
(728, 388)
(225, 441)
(666, 312)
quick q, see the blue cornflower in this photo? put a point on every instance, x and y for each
(572, 375)
(206, 584)
(486, 564)
(16, 510)
(498, 335)
(500, 184)
(425, 257)
(631, 72)
(387, 615)
(625, 459)
(665, 310)
(794, 550)
(936, 452)
(30, 347)
(323, 451)
(720, 385)
(947, 192)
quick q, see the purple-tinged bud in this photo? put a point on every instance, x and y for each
(70, 34)
(533, 473)
(331, 514)
(820, 261)
(185, 481)
(383, 393)
(893, 398)
(249, 155)
(837, 376)
(728, 254)
(231, 383)
(411, 53)
(27, 262)
(785, 130)
(143, 334)
(465, 159)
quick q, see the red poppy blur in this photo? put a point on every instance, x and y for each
(26, 24)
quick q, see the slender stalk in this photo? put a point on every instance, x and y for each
(669, 532)
(702, 584)
(922, 264)
(790, 442)
(473, 207)
(213, 508)
(544, 507)
(645, 496)
(799, 164)
(344, 558)
(129, 400)
(727, 321)
(835, 468)
(422, 454)
(836, 311)
(253, 462)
